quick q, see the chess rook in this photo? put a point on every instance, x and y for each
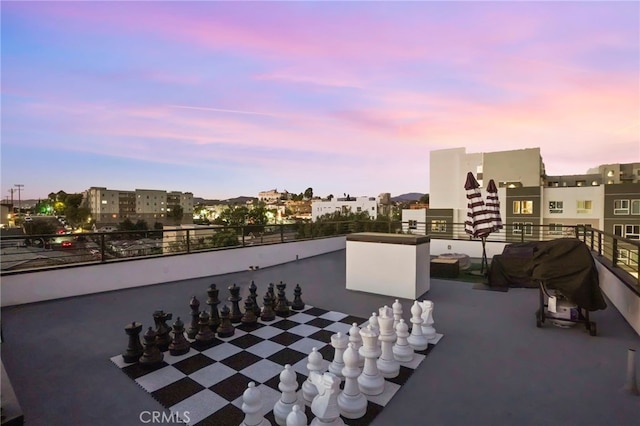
(416, 339)
(134, 348)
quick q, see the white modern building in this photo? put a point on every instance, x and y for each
(345, 205)
(414, 221)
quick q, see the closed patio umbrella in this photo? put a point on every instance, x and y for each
(493, 206)
(479, 221)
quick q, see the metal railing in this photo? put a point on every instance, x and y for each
(35, 252)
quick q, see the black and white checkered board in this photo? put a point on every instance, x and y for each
(208, 382)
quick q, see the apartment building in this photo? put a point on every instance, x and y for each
(607, 197)
(345, 205)
(112, 206)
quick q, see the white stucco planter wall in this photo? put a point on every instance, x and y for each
(387, 264)
(625, 300)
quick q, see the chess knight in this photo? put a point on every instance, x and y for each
(325, 404)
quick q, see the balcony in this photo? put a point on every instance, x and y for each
(493, 366)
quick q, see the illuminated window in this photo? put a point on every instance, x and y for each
(583, 206)
(438, 226)
(523, 207)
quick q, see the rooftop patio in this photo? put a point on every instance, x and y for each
(493, 365)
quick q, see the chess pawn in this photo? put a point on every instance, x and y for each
(134, 348)
(267, 313)
(282, 307)
(162, 329)
(416, 339)
(314, 365)
(373, 322)
(179, 345)
(427, 320)
(195, 318)
(297, 417)
(297, 304)
(249, 316)
(370, 381)
(251, 407)
(288, 386)
(226, 329)
(356, 339)
(325, 404)
(339, 342)
(387, 363)
(151, 356)
(397, 312)
(352, 403)
(402, 351)
(205, 335)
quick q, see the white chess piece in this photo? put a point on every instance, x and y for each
(297, 417)
(416, 339)
(339, 342)
(356, 339)
(325, 404)
(314, 364)
(373, 322)
(397, 312)
(387, 364)
(251, 407)
(288, 386)
(402, 351)
(370, 381)
(351, 401)
(427, 317)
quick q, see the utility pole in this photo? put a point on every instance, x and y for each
(19, 186)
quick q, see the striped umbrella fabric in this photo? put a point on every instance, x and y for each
(493, 206)
(479, 221)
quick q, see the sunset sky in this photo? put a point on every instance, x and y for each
(231, 98)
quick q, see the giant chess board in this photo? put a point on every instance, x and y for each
(208, 382)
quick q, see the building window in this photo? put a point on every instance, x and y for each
(632, 232)
(413, 224)
(523, 207)
(580, 183)
(555, 207)
(583, 206)
(438, 226)
(635, 206)
(104, 202)
(520, 227)
(617, 230)
(623, 256)
(359, 209)
(555, 229)
(620, 206)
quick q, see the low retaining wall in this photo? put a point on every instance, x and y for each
(625, 300)
(29, 287)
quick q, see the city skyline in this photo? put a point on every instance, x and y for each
(228, 99)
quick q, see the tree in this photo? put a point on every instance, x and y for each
(176, 214)
(330, 197)
(308, 193)
(226, 238)
(424, 199)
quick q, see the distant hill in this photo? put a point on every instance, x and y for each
(410, 196)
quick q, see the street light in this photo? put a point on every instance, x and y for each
(19, 186)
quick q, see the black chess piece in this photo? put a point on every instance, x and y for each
(162, 329)
(267, 313)
(226, 329)
(195, 318)
(272, 295)
(151, 355)
(236, 316)
(282, 307)
(254, 296)
(205, 335)
(179, 345)
(249, 316)
(134, 348)
(297, 304)
(213, 302)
